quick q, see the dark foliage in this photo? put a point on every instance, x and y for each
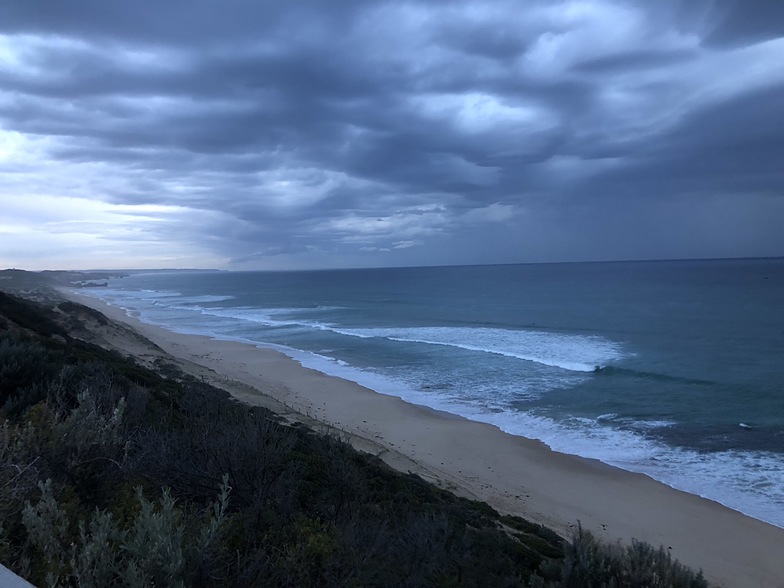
(589, 562)
(26, 372)
(30, 316)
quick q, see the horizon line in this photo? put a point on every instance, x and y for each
(314, 269)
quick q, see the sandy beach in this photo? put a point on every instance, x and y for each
(513, 474)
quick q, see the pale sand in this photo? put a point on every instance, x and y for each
(513, 474)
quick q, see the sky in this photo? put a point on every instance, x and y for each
(248, 134)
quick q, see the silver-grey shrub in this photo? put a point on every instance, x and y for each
(162, 545)
(590, 563)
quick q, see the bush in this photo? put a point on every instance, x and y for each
(163, 545)
(26, 371)
(590, 563)
(30, 316)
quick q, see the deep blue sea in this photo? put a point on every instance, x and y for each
(673, 369)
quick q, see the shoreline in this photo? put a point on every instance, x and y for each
(513, 474)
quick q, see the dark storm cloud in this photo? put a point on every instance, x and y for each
(174, 22)
(635, 60)
(729, 147)
(417, 129)
(744, 21)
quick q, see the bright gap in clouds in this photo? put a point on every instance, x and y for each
(50, 232)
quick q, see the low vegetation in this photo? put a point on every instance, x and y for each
(114, 475)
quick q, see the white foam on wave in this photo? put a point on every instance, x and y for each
(259, 316)
(579, 353)
(132, 301)
(570, 352)
(204, 299)
(149, 295)
(165, 298)
(749, 482)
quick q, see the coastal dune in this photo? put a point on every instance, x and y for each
(513, 474)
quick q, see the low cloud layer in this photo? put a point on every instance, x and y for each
(308, 134)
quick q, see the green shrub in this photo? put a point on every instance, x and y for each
(162, 545)
(31, 316)
(26, 371)
(590, 563)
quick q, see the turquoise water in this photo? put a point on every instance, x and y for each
(673, 369)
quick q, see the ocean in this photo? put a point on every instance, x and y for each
(674, 369)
